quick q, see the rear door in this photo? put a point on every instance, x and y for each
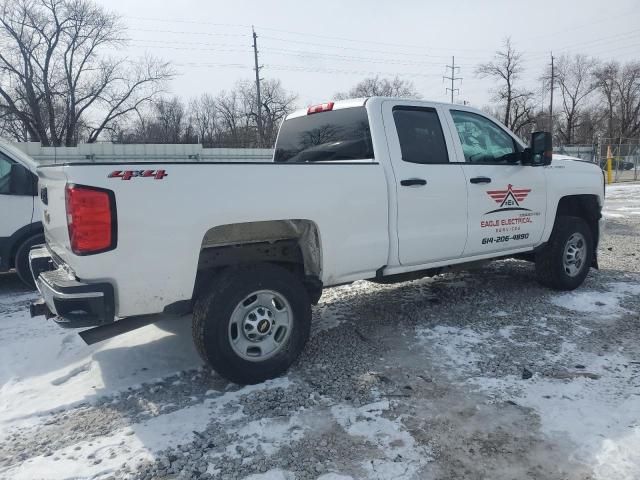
(431, 188)
(507, 200)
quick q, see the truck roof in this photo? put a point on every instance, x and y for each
(359, 102)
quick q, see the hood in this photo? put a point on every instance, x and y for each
(557, 156)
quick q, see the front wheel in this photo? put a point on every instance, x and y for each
(565, 261)
(252, 322)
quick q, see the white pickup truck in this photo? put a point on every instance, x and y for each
(380, 189)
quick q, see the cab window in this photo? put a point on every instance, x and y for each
(482, 140)
(420, 135)
(5, 173)
(336, 135)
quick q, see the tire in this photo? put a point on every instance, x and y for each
(22, 260)
(222, 322)
(551, 269)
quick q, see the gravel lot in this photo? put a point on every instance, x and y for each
(470, 375)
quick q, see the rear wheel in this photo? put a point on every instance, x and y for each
(252, 322)
(22, 260)
(565, 261)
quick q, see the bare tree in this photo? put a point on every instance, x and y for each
(505, 68)
(606, 77)
(383, 87)
(522, 117)
(574, 76)
(276, 105)
(628, 90)
(237, 113)
(233, 119)
(169, 120)
(205, 119)
(53, 78)
(619, 87)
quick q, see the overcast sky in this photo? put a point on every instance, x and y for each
(319, 47)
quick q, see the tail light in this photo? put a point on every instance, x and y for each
(91, 219)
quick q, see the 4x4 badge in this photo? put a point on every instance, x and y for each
(129, 174)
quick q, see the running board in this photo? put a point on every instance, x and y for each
(110, 330)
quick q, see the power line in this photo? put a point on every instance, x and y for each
(170, 47)
(139, 42)
(175, 20)
(186, 32)
(291, 32)
(453, 77)
(534, 54)
(369, 42)
(294, 68)
(309, 53)
(342, 47)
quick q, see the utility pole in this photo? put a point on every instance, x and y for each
(553, 76)
(453, 77)
(257, 69)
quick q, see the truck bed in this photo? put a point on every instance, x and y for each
(162, 222)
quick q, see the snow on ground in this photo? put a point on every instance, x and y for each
(590, 406)
(600, 303)
(622, 200)
(389, 435)
(66, 371)
(100, 457)
(103, 455)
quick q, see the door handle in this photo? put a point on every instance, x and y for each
(480, 180)
(413, 181)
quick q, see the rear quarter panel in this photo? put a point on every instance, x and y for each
(161, 223)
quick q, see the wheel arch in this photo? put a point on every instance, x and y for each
(587, 207)
(292, 243)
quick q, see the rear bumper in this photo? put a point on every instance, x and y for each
(72, 303)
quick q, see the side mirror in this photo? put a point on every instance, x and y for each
(541, 148)
(22, 181)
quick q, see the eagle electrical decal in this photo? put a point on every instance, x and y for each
(509, 200)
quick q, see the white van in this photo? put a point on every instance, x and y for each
(20, 214)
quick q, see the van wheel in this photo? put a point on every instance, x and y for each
(252, 322)
(22, 260)
(565, 262)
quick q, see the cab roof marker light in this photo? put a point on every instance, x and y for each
(322, 107)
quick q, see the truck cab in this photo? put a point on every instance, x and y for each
(20, 212)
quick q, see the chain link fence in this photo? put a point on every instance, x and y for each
(625, 155)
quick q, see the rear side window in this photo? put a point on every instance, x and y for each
(326, 136)
(420, 135)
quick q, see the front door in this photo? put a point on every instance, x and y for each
(431, 190)
(507, 200)
(16, 211)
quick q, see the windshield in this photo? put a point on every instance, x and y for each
(327, 136)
